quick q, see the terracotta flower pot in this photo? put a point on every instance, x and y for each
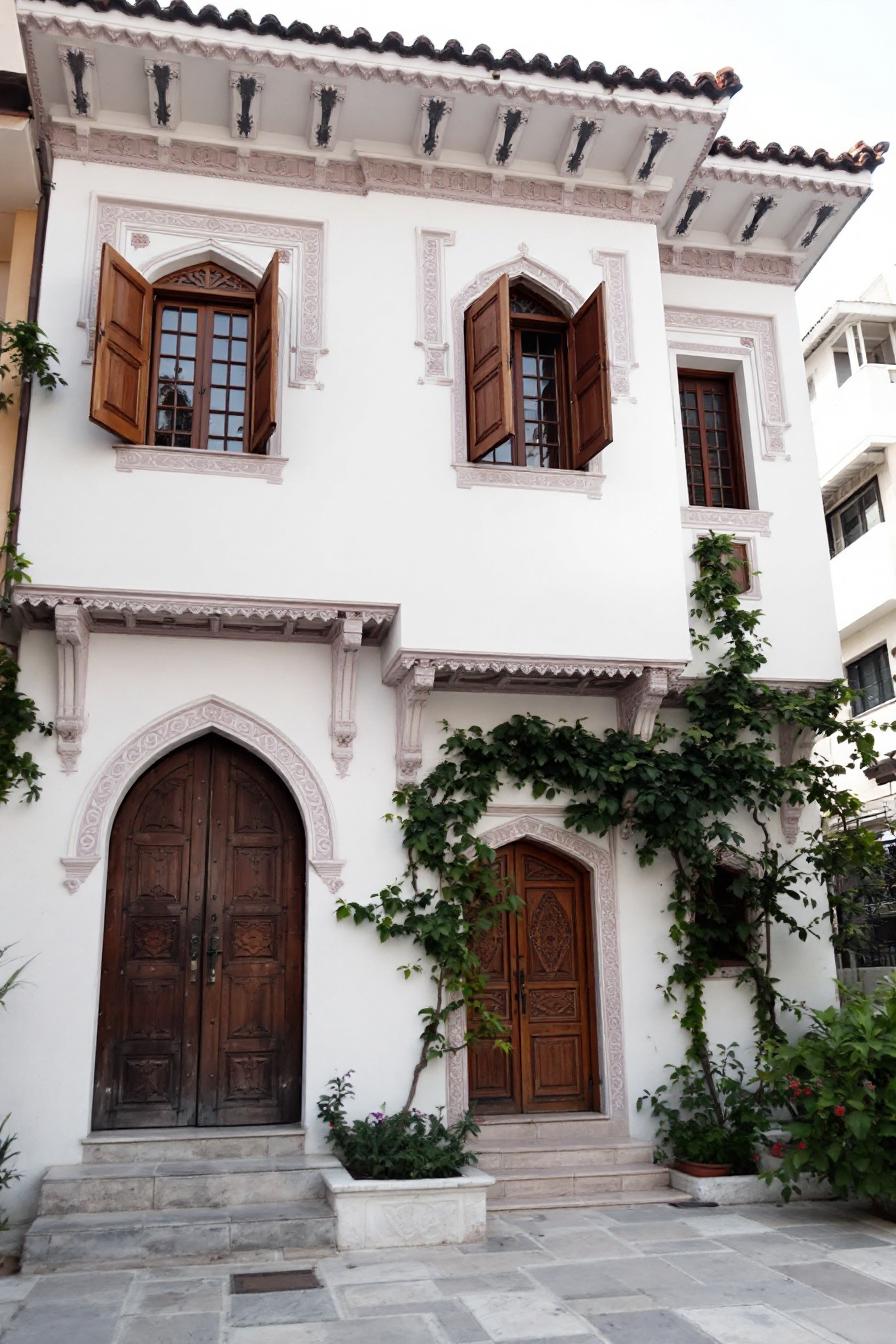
(702, 1168)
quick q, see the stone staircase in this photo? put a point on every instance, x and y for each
(148, 1197)
(567, 1161)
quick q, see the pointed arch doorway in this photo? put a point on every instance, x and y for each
(201, 983)
(539, 969)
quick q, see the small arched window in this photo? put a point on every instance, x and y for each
(724, 914)
(189, 362)
(538, 392)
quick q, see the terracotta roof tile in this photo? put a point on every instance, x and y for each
(723, 84)
(855, 160)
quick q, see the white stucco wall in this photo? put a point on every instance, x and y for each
(369, 510)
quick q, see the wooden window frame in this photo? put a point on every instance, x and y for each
(732, 965)
(519, 324)
(207, 301)
(495, 395)
(727, 380)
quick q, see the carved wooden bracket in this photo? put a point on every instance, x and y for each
(72, 639)
(411, 695)
(345, 648)
(638, 704)
(794, 744)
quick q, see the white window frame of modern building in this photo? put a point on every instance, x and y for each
(835, 533)
(856, 350)
(872, 709)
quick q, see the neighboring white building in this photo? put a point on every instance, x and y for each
(252, 625)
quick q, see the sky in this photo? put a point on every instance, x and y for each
(815, 72)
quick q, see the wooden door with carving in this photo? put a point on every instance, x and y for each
(539, 968)
(201, 987)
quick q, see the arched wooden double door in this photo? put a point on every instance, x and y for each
(539, 969)
(201, 989)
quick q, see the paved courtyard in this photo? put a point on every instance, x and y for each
(656, 1274)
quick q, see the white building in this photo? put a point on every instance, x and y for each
(288, 604)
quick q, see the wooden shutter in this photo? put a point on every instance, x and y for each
(119, 393)
(592, 415)
(264, 381)
(489, 385)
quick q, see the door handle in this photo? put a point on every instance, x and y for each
(195, 941)
(521, 988)
(213, 951)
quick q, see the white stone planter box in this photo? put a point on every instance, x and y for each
(742, 1189)
(375, 1214)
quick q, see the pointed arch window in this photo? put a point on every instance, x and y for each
(538, 390)
(188, 362)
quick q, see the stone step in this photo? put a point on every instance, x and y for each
(563, 1156)
(608, 1199)
(157, 1237)
(538, 1184)
(186, 1144)
(119, 1187)
(501, 1131)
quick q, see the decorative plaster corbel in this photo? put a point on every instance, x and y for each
(638, 704)
(163, 87)
(579, 142)
(79, 75)
(510, 122)
(794, 744)
(345, 648)
(72, 639)
(411, 695)
(245, 104)
(432, 119)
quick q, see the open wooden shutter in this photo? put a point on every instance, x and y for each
(264, 383)
(119, 393)
(592, 415)
(489, 385)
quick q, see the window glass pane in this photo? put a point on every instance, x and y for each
(240, 325)
(218, 398)
(222, 324)
(168, 343)
(236, 401)
(238, 375)
(871, 679)
(216, 425)
(188, 346)
(172, 414)
(188, 319)
(169, 319)
(843, 366)
(220, 347)
(853, 519)
(238, 351)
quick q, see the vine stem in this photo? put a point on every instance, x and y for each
(423, 1058)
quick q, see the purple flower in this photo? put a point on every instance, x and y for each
(377, 1117)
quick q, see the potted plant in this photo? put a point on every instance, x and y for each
(407, 1178)
(709, 1119)
(837, 1084)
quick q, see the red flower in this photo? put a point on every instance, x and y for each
(807, 1091)
(839, 1110)
(801, 1144)
(777, 1149)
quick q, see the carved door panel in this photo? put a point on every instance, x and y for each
(249, 1068)
(494, 1075)
(545, 967)
(200, 990)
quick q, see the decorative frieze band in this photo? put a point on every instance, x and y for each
(719, 264)
(359, 176)
(458, 671)
(432, 333)
(726, 520)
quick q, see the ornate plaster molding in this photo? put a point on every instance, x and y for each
(469, 474)
(614, 266)
(726, 520)
(247, 466)
(794, 744)
(719, 264)
(361, 175)
(72, 643)
(281, 56)
(412, 692)
(826, 183)
(90, 829)
(608, 972)
(345, 650)
(432, 335)
(459, 671)
(639, 702)
(757, 338)
(300, 243)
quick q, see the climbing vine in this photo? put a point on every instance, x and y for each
(705, 792)
(18, 712)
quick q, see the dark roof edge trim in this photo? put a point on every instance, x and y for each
(861, 158)
(724, 84)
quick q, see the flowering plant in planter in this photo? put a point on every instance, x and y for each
(838, 1083)
(404, 1146)
(710, 1120)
